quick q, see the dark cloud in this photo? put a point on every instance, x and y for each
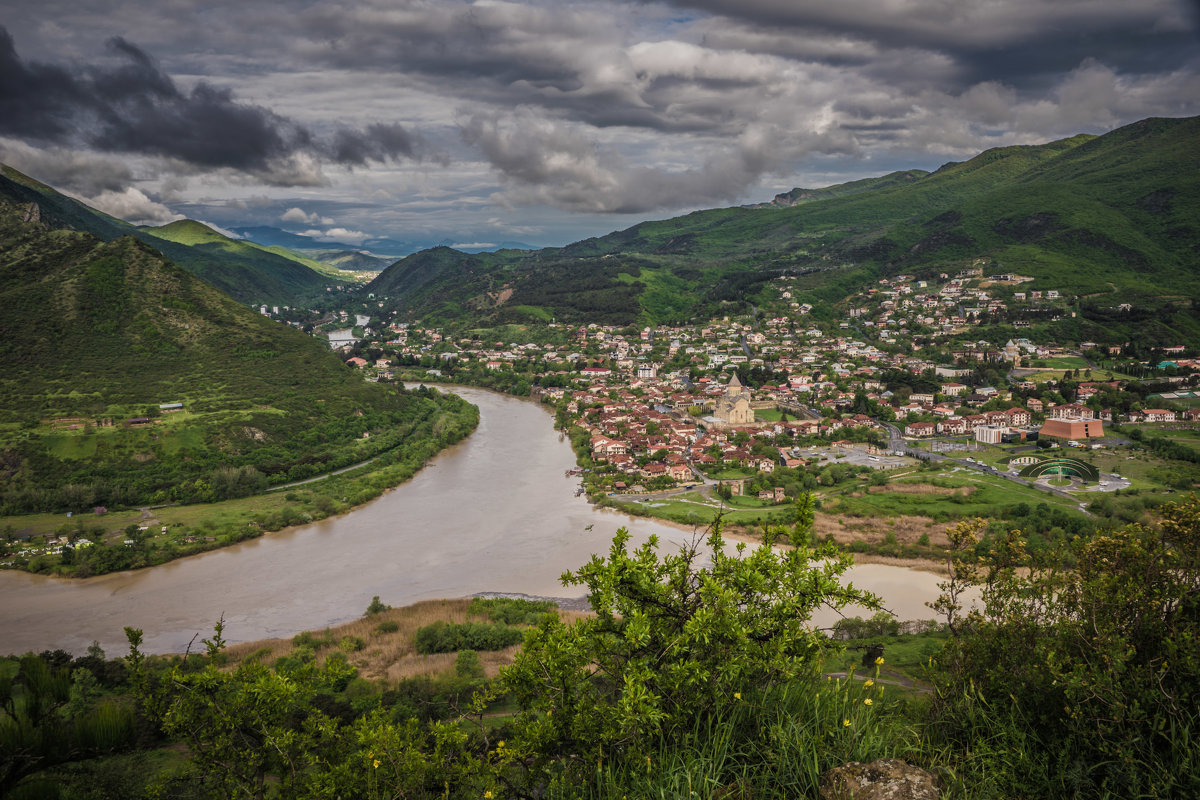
(375, 143)
(88, 174)
(37, 100)
(137, 108)
(583, 107)
(1023, 42)
(548, 162)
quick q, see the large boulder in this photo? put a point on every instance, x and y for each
(883, 779)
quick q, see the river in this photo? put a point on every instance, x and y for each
(493, 513)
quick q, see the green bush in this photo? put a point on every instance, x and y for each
(352, 644)
(376, 606)
(510, 610)
(677, 642)
(1082, 682)
(387, 626)
(447, 637)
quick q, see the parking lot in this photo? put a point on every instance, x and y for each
(857, 455)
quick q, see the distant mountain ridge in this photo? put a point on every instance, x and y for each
(799, 196)
(353, 260)
(1112, 215)
(246, 272)
(380, 247)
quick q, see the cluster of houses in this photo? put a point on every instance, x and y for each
(664, 391)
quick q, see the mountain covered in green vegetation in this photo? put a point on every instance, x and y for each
(353, 260)
(246, 271)
(1114, 216)
(128, 380)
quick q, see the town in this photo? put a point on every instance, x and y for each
(749, 411)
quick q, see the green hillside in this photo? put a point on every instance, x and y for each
(1089, 215)
(58, 210)
(244, 270)
(247, 272)
(97, 337)
(352, 260)
(799, 196)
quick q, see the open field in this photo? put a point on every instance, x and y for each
(1048, 374)
(951, 493)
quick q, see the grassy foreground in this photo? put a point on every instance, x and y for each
(693, 675)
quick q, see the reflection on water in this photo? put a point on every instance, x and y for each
(493, 513)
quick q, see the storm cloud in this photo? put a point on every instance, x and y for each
(453, 117)
(135, 107)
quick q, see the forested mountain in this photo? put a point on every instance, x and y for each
(1117, 214)
(247, 272)
(128, 380)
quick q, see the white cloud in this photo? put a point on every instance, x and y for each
(296, 214)
(133, 206)
(337, 235)
(220, 230)
(67, 169)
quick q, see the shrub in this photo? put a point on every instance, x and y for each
(387, 626)
(676, 643)
(376, 606)
(467, 665)
(1094, 670)
(447, 637)
(511, 610)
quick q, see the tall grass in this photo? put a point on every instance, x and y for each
(774, 745)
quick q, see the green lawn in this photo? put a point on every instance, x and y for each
(1043, 375)
(733, 474)
(989, 494)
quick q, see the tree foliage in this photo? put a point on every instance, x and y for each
(675, 638)
(1096, 668)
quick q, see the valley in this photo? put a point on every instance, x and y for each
(982, 382)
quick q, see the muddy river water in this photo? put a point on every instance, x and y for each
(494, 513)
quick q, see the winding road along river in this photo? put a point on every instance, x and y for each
(491, 514)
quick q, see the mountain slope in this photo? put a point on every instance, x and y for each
(96, 335)
(353, 260)
(244, 270)
(799, 196)
(1089, 214)
(246, 273)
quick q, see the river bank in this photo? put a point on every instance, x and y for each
(82, 546)
(492, 513)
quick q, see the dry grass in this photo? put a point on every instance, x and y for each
(924, 488)
(907, 530)
(391, 656)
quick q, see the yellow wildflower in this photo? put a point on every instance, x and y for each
(867, 702)
(737, 695)
(488, 793)
(845, 723)
(869, 683)
(879, 661)
(376, 763)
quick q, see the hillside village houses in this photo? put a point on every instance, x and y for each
(656, 401)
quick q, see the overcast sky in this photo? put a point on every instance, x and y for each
(549, 121)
